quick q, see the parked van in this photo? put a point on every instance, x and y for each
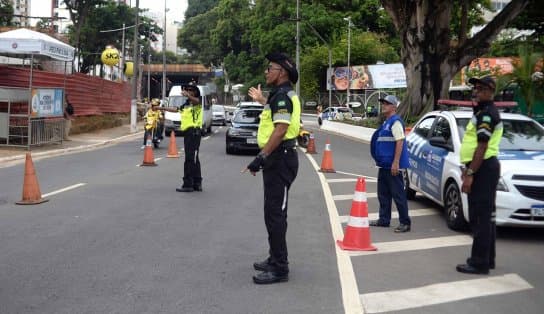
(172, 120)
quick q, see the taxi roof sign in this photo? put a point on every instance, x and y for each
(468, 103)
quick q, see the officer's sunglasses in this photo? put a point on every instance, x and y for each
(270, 68)
(480, 88)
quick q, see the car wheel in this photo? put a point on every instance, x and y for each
(453, 204)
(410, 194)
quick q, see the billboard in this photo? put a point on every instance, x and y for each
(47, 102)
(367, 77)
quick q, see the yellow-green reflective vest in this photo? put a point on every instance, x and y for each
(191, 117)
(266, 125)
(470, 142)
(151, 119)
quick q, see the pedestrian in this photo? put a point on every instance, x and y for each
(152, 118)
(479, 150)
(191, 126)
(388, 148)
(68, 117)
(278, 129)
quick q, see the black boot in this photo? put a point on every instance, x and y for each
(185, 189)
(263, 266)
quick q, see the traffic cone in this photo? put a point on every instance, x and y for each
(31, 188)
(357, 236)
(172, 147)
(326, 162)
(149, 160)
(311, 145)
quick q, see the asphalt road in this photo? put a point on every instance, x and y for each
(116, 238)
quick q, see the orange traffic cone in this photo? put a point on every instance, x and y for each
(326, 162)
(149, 160)
(31, 188)
(172, 147)
(357, 236)
(311, 145)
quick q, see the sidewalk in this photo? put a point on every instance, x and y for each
(79, 142)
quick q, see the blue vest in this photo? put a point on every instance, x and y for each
(382, 145)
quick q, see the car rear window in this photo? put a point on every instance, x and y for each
(517, 134)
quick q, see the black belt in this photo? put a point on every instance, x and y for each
(292, 143)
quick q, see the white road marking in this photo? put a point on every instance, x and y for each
(356, 175)
(415, 245)
(397, 300)
(412, 212)
(367, 179)
(68, 188)
(350, 196)
(350, 292)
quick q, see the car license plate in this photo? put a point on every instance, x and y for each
(252, 141)
(537, 210)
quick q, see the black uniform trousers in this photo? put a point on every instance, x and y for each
(192, 177)
(279, 172)
(482, 209)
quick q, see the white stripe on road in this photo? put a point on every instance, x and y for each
(415, 245)
(68, 188)
(350, 292)
(350, 196)
(367, 179)
(397, 300)
(411, 212)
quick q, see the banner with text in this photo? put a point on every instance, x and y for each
(47, 102)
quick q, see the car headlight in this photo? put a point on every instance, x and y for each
(501, 186)
(234, 132)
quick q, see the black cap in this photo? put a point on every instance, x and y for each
(486, 80)
(285, 62)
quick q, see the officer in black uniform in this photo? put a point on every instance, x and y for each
(479, 150)
(278, 129)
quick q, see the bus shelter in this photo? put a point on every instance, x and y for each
(32, 115)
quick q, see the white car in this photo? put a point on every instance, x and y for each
(335, 113)
(434, 144)
(219, 115)
(172, 120)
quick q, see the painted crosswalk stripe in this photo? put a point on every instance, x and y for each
(412, 212)
(355, 175)
(367, 179)
(414, 245)
(350, 196)
(397, 300)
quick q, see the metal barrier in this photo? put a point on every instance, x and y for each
(44, 131)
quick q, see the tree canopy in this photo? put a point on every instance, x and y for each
(6, 13)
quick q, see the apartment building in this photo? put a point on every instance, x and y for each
(21, 12)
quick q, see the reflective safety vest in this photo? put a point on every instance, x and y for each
(266, 125)
(191, 117)
(382, 145)
(151, 119)
(470, 142)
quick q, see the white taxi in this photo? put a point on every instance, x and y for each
(435, 169)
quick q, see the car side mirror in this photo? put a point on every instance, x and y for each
(441, 142)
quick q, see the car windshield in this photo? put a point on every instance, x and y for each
(517, 134)
(176, 101)
(218, 108)
(247, 116)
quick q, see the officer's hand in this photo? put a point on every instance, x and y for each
(256, 164)
(256, 94)
(395, 168)
(467, 184)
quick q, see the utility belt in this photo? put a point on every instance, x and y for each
(288, 144)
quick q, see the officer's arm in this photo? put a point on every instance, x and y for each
(276, 138)
(478, 157)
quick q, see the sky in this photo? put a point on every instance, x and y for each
(176, 12)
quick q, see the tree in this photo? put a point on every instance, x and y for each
(6, 13)
(428, 52)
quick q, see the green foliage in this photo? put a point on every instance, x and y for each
(197, 7)
(6, 13)
(531, 18)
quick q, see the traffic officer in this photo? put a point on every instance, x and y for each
(191, 126)
(479, 150)
(278, 128)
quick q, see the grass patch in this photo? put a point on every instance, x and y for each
(86, 124)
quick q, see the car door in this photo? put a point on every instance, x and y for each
(436, 156)
(418, 151)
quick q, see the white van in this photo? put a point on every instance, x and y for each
(172, 120)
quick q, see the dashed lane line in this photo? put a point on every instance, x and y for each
(68, 188)
(397, 300)
(411, 212)
(415, 245)
(344, 197)
(350, 291)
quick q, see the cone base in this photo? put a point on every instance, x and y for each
(352, 248)
(33, 202)
(327, 170)
(149, 164)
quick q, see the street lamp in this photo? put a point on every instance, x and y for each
(134, 91)
(164, 56)
(348, 19)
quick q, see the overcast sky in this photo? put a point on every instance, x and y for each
(176, 13)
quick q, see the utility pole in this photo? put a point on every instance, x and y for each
(164, 56)
(297, 85)
(349, 52)
(135, 60)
